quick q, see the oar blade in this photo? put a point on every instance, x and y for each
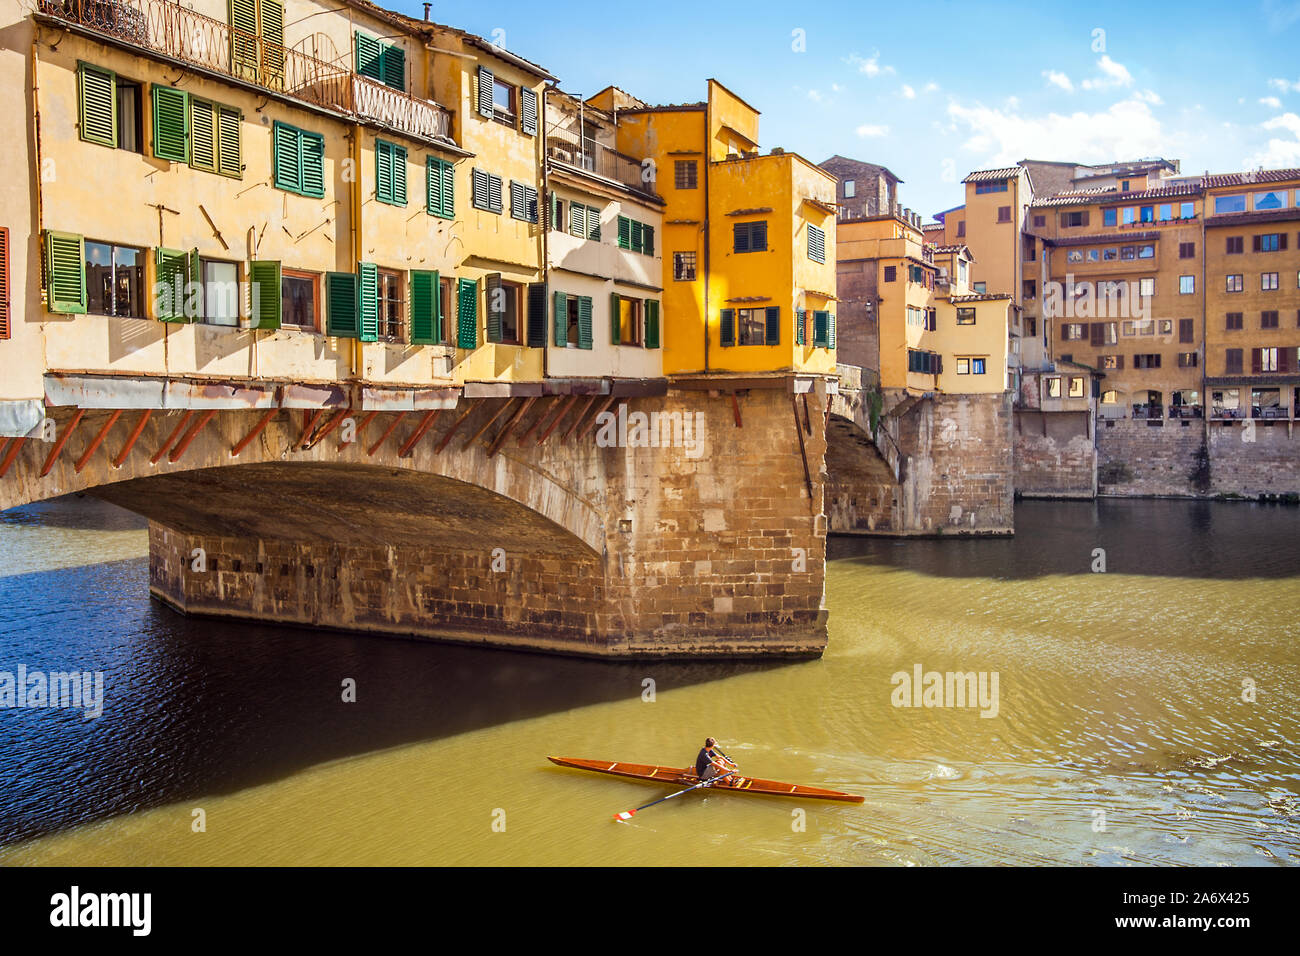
(624, 816)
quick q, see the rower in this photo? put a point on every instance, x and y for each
(712, 762)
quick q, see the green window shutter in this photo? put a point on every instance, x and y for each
(561, 320)
(651, 324)
(821, 332)
(203, 135)
(537, 315)
(467, 314)
(615, 317)
(800, 317)
(518, 202)
(485, 81)
(527, 112)
(425, 326)
(773, 335)
(368, 301)
(830, 330)
(170, 267)
(312, 151)
(272, 16)
(265, 276)
(530, 204)
(492, 290)
(369, 57)
(553, 219)
(170, 135)
(593, 223)
(97, 96)
(624, 232)
(584, 322)
(494, 193)
(399, 175)
(440, 183)
(383, 172)
(287, 159)
(341, 304)
(230, 160)
(577, 220)
(816, 244)
(448, 190)
(394, 67)
(243, 38)
(648, 239)
(65, 273)
(727, 327)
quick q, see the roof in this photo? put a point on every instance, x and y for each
(1247, 218)
(502, 53)
(957, 247)
(1112, 195)
(993, 175)
(837, 159)
(1115, 237)
(1250, 178)
(420, 27)
(979, 297)
(1074, 197)
(669, 108)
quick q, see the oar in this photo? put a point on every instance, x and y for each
(629, 814)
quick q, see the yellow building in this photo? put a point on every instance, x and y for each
(749, 285)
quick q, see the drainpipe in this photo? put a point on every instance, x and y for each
(708, 175)
(355, 198)
(544, 217)
(1205, 351)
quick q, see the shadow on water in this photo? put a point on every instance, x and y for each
(195, 707)
(76, 513)
(1160, 537)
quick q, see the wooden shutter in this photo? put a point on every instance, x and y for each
(492, 289)
(821, 329)
(170, 267)
(1256, 361)
(368, 301)
(1064, 328)
(624, 232)
(527, 112)
(830, 331)
(615, 320)
(243, 38)
(170, 132)
(773, 332)
(272, 16)
(341, 304)
(651, 324)
(394, 67)
(65, 267)
(1254, 243)
(1283, 360)
(485, 81)
(230, 160)
(426, 324)
(1096, 333)
(560, 336)
(97, 96)
(467, 314)
(537, 315)
(727, 327)
(440, 184)
(313, 164)
(494, 193)
(1281, 241)
(740, 237)
(800, 317)
(530, 203)
(383, 171)
(479, 189)
(758, 236)
(287, 161)
(265, 276)
(518, 203)
(5, 330)
(369, 56)
(816, 244)
(1185, 330)
(203, 135)
(584, 322)
(593, 223)
(648, 239)
(577, 220)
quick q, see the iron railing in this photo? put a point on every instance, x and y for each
(569, 148)
(1185, 411)
(1269, 412)
(165, 27)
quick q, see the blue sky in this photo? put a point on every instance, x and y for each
(934, 90)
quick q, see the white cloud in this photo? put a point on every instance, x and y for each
(1272, 102)
(1004, 136)
(1059, 79)
(815, 96)
(1113, 74)
(908, 92)
(868, 130)
(835, 87)
(869, 66)
(930, 87)
(1149, 96)
(1279, 153)
(1285, 86)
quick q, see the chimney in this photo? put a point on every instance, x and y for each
(426, 11)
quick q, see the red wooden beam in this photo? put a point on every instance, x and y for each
(184, 443)
(103, 431)
(162, 450)
(509, 426)
(564, 410)
(735, 411)
(418, 433)
(311, 423)
(469, 408)
(253, 432)
(578, 421)
(484, 427)
(604, 408)
(58, 445)
(11, 455)
(540, 418)
(332, 424)
(356, 438)
(133, 437)
(384, 437)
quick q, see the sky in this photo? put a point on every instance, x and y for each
(936, 90)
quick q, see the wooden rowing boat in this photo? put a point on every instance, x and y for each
(678, 777)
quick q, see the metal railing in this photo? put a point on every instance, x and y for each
(1148, 411)
(1185, 411)
(581, 152)
(165, 27)
(1269, 412)
(1219, 411)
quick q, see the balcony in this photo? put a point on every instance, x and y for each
(583, 153)
(1269, 412)
(167, 29)
(1150, 412)
(1184, 411)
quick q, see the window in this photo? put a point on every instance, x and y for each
(1235, 245)
(1272, 199)
(1186, 285)
(1108, 217)
(440, 188)
(1187, 210)
(1268, 242)
(1031, 326)
(130, 131)
(1166, 212)
(997, 187)
(686, 174)
(749, 236)
(816, 244)
(1268, 281)
(1128, 252)
(626, 316)
(965, 316)
(1053, 387)
(1263, 360)
(1039, 222)
(114, 280)
(110, 109)
(299, 161)
(1074, 255)
(1232, 361)
(300, 299)
(220, 292)
(1146, 287)
(523, 202)
(1233, 321)
(1186, 330)
(1236, 203)
(1004, 213)
(486, 191)
(1094, 255)
(250, 21)
(385, 62)
(924, 363)
(214, 138)
(1234, 283)
(1146, 251)
(981, 287)
(1147, 214)
(970, 366)
(1124, 185)
(636, 236)
(1110, 255)
(390, 173)
(751, 326)
(584, 221)
(572, 320)
(503, 102)
(1188, 360)
(391, 305)
(1128, 214)
(1030, 290)
(1073, 331)
(684, 266)
(891, 273)
(1074, 219)
(1111, 362)
(961, 229)
(1166, 326)
(850, 188)
(1110, 397)
(1146, 361)
(1268, 319)
(1076, 386)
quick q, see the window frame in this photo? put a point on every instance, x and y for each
(300, 275)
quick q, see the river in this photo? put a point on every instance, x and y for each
(1149, 714)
